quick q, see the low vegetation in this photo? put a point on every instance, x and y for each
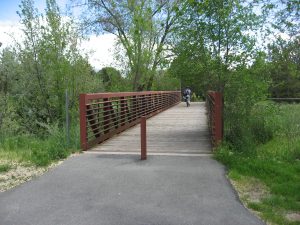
(39, 151)
(23, 157)
(4, 167)
(273, 159)
(36, 75)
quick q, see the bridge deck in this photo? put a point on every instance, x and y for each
(179, 130)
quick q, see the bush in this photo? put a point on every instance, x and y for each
(264, 121)
(260, 132)
(242, 91)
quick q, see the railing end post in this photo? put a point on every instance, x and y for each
(83, 129)
(215, 116)
(143, 138)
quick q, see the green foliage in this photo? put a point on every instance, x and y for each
(242, 90)
(262, 129)
(195, 70)
(9, 78)
(274, 159)
(34, 76)
(284, 68)
(163, 81)
(213, 39)
(36, 73)
(286, 17)
(221, 26)
(38, 151)
(4, 168)
(113, 80)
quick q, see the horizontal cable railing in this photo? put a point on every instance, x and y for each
(103, 115)
(214, 104)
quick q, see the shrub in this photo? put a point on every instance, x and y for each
(264, 121)
(242, 91)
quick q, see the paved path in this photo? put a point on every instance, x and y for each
(179, 130)
(99, 189)
(94, 189)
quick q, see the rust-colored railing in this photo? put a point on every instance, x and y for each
(103, 115)
(214, 104)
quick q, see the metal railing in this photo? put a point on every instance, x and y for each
(214, 104)
(287, 100)
(103, 115)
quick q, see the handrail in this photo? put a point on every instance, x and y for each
(103, 115)
(214, 105)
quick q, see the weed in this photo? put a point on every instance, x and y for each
(4, 168)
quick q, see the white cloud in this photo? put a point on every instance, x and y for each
(9, 33)
(100, 50)
(284, 36)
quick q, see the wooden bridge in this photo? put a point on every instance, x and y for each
(172, 128)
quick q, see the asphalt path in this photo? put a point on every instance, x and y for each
(94, 189)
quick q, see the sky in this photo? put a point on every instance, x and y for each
(98, 48)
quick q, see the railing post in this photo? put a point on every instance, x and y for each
(122, 111)
(143, 138)
(83, 129)
(106, 115)
(134, 109)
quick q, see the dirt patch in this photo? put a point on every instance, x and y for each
(20, 173)
(250, 189)
(293, 216)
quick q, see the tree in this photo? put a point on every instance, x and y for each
(194, 67)
(51, 63)
(112, 80)
(215, 50)
(164, 81)
(287, 16)
(9, 78)
(142, 28)
(284, 59)
(217, 33)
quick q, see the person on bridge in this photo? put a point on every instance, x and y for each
(187, 96)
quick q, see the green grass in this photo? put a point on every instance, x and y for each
(39, 151)
(4, 168)
(274, 160)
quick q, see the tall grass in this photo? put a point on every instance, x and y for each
(274, 158)
(40, 151)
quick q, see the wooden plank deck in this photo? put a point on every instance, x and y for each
(176, 131)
